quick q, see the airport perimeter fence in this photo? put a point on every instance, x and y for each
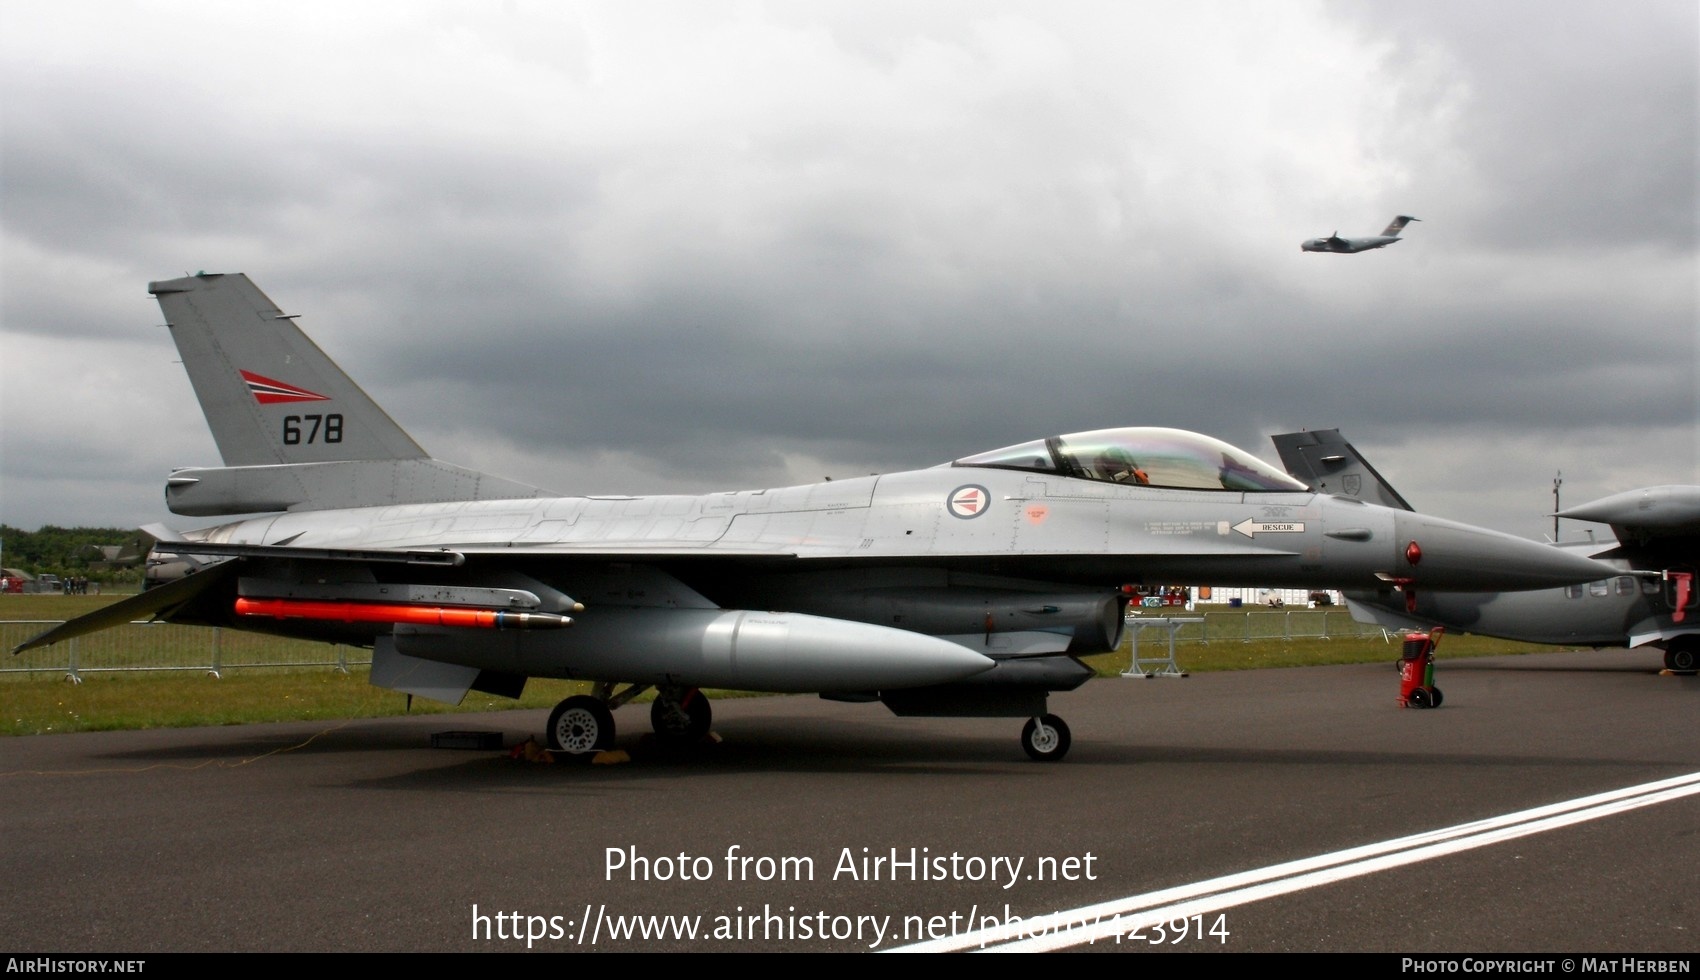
(164, 647)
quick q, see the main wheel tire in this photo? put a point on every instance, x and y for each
(581, 725)
(1419, 698)
(1683, 654)
(685, 718)
(1045, 739)
(1438, 697)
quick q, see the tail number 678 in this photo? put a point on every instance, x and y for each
(298, 429)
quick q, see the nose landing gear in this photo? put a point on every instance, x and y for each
(1045, 738)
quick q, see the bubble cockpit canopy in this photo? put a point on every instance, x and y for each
(1170, 458)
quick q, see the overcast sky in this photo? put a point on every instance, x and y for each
(675, 247)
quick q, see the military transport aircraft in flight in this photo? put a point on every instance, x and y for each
(966, 589)
(1648, 599)
(1334, 243)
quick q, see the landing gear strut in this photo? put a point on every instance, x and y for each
(1045, 738)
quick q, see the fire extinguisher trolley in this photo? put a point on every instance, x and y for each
(1416, 670)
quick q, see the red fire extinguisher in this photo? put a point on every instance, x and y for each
(1416, 670)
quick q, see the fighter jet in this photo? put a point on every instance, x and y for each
(1334, 243)
(1648, 599)
(967, 589)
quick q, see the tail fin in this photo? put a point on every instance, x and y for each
(270, 394)
(1399, 224)
(295, 432)
(1326, 461)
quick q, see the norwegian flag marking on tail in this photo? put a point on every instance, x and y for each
(269, 392)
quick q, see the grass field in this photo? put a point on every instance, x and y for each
(43, 701)
(52, 606)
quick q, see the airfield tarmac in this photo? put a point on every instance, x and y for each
(359, 836)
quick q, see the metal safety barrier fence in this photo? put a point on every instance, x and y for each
(143, 646)
(1267, 624)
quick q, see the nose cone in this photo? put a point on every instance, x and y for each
(1670, 509)
(1441, 554)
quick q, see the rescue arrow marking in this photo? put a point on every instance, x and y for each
(1251, 528)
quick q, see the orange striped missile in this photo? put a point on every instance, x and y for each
(386, 612)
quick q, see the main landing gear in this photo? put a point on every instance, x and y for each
(680, 714)
(1683, 653)
(580, 725)
(584, 723)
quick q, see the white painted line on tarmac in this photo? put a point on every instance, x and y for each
(1120, 917)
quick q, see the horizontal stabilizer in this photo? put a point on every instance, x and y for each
(160, 602)
(213, 491)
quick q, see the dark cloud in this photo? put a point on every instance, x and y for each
(1579, 124)
(680, 248)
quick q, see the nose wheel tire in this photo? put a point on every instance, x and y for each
(1045, 739)
(581, 725)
